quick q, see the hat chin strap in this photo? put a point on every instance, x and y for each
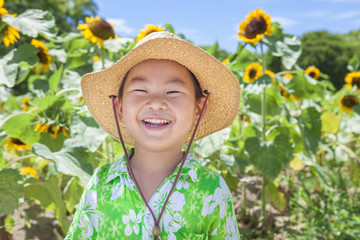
(156, 229)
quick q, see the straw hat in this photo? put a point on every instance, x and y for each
(212, 76)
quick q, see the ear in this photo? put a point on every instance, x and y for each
(118, 107)
(199, 106)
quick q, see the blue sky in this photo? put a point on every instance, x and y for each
(204, 22)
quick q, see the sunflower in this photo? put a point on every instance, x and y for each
(294, 98)
(16, 144)
(225, 61)
(353, 79)
(245, 118)
(53, 130)
(29, 171)
(3, 11)
(347, 103)
(25, 103)
(283, 91)
(149, 28)
(252, 72)
(96, 58)
(271, 74)
(43, 55)
(256, 25)
(288, 75)
(8, 34)
(313, 72)
(97, 30)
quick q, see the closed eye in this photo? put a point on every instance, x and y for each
(140, 90)
(172, 92)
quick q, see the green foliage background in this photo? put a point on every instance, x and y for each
(305, 152)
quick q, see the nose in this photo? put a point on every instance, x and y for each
(156, 102)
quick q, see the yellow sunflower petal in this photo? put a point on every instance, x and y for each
(252, 72)
(313, 72)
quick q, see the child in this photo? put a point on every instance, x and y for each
(157, 191)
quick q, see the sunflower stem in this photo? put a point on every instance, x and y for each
(18, 159)
(66, 90)
(107, 150)
(263, 112)
(103, 58)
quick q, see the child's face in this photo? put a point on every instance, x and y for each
(158, 105)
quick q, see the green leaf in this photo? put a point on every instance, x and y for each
(242, 60)
(72, 194)
(32, 22)
(86, 133)
(273, 102)
(212, 50)
(21, 126)
(231, 181)
(8, 72)
(310, 124)
(26, 53)
(78, 44)
(309, 161)
(55, 79)
(227, 159)
(114, 45)
(11, 190)
(69, 160)
(354, 64)
(60, 54)
(169, 27)
(357, 109)
(270, 157)
(288, 48)
(211, 144)
(276, 197)
(330, 123)
(46, 193)
(304, 86)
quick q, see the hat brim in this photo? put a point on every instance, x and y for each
(211, 74)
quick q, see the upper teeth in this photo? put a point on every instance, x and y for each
(156, 121)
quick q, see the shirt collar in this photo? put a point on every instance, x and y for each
(190, 169)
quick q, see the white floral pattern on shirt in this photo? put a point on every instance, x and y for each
(89, 216)
(132, 222)
(112, 208)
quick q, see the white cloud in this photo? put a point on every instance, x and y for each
(284, 22)
(346, 15)
(120, 25)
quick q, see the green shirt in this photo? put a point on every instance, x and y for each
(111, 207)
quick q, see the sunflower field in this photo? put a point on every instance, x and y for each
(291, 157)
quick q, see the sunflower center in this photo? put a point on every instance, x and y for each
(256, 26)
(349, 101)
(312, 74)
(252, 73)
(42, 56)
(17, 141)
(356, 82)
(102, 29)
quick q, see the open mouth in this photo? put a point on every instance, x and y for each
(156, 122)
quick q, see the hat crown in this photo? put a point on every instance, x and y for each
(156, 35)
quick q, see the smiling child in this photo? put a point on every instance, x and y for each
(164, 93)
